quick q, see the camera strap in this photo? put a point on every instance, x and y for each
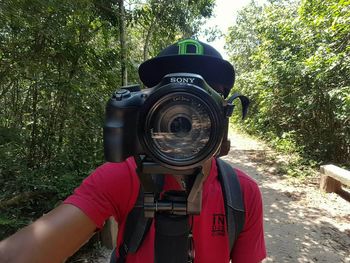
(244, 101)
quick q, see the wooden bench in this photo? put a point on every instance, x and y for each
(333, 177)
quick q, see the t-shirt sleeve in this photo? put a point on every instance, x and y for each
(111, 190)
(250, 245)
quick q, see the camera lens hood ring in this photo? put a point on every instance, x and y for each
(160, 97)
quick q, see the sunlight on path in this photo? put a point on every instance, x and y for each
(301, 223)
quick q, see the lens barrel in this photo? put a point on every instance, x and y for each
(181, 125)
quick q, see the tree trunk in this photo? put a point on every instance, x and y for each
(122, 37)
(33, 136)
(147, 40)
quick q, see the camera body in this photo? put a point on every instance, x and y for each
(179, 123)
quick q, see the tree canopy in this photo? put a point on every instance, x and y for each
(293, 61)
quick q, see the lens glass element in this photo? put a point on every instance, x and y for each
(180, 126)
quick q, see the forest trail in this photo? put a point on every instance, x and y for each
(301, 223)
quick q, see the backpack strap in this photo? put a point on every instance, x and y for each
(233, 199)
(135, 229)
(136, 226)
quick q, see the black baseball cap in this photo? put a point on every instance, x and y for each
(191, 56)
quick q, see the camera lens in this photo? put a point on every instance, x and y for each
(180, 126)
(180, 129)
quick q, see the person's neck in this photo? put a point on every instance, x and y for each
(205, 170)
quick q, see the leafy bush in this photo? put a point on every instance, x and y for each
(292, 61)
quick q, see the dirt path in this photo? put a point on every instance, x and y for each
(301, 223)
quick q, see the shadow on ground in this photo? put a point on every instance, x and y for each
(296, 229)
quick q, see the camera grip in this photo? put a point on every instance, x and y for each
(120, 132)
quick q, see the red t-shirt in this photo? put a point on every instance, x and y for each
(112, 189)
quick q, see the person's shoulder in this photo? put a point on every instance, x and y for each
(243, 176)
(250, 191)
(109, 174)
(111, 189)
(118, 169)
(247, 182)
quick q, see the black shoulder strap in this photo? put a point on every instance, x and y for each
(234, 205)
(136, 226)
(135, 229)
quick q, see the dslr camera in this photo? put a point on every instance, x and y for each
(179, 123)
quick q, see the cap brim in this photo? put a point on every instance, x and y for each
(213, 70)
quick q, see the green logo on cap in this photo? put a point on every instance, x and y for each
(185, 43)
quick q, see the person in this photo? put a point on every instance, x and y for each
(112, 189)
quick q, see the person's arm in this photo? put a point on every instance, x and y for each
(111, 190)
(52, 238)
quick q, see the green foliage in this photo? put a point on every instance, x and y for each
(285, 144)
(159, 23)
(292, 60)
(59, 62)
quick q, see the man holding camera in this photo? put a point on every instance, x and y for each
(179, 126)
